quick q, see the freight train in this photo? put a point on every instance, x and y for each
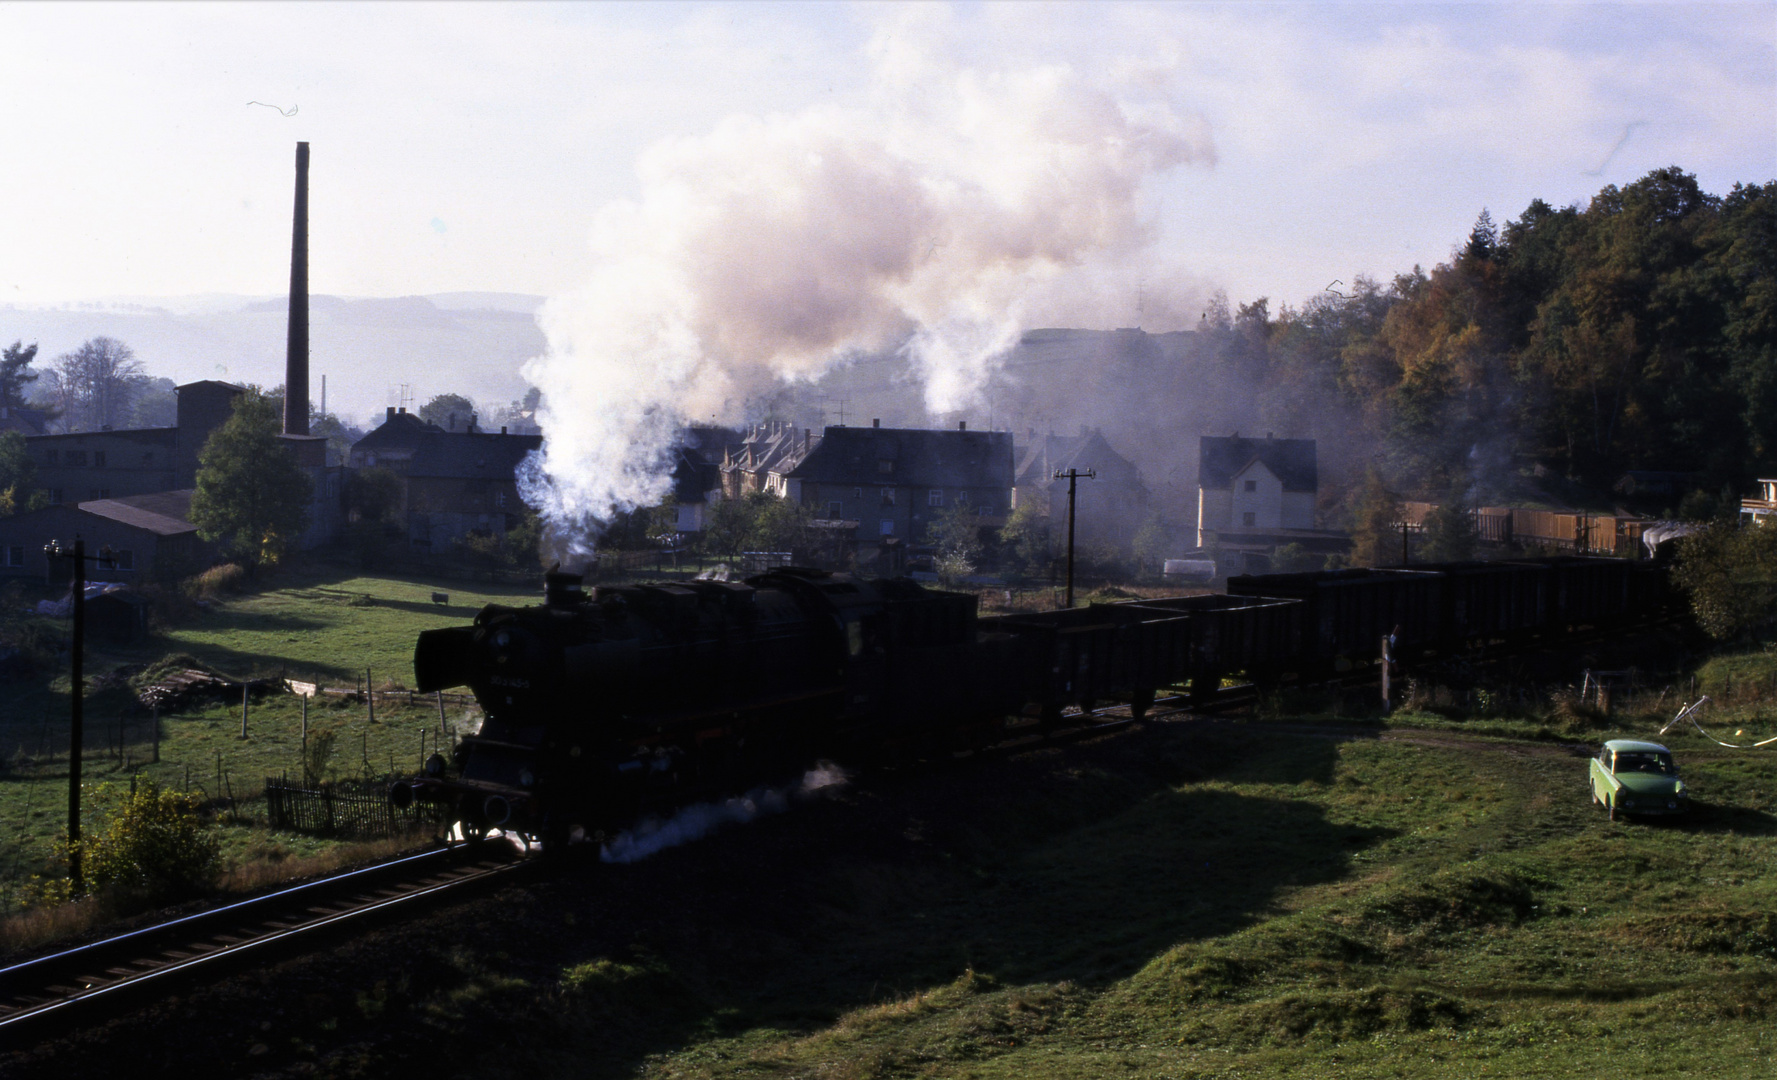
(599, 703)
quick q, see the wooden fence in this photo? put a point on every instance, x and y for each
(350, 809)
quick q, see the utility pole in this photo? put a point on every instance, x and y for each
(76, 695)
(1072, 477)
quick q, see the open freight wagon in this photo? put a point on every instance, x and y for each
(1347, 613)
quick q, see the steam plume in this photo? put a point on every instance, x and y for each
(770, 249)
(700, 819)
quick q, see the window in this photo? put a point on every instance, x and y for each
(98, 493)
(935, 497)
(1249, 518)
(887, 527)
(77, 457)
(15, 555)
(123, 559)
(888, 496)
(49, 457)
(98, 459)
(962, 498)
(1251, 485)
(55, 496)
(885, 466)
(500, 499)
(857, 493)
(835, 511)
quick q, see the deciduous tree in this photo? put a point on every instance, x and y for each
(1374, 539)
(955, 535)
(1450, 534)
(1730, 574)
(452, 412)
(251, 495)
(18, 475)
(94, 385)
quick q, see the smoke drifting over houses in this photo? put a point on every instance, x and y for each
(955, 209)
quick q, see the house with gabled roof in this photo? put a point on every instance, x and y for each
(24, 419)
(391, 446)
(697, 474)
(1109, 508)
(896, 481)
(1252, 490)
(463, 483)
(773, 447)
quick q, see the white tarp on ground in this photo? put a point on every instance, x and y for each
(1661, 531)
(64, 608)
(1190, 569)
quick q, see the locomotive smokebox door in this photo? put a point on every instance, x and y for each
(443, 658)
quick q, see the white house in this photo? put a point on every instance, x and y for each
(1254, 487)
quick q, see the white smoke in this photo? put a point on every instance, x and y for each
(926, 220)
(700, 819)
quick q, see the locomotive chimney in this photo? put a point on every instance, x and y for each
(876, 423)
(962, 425)
(296, 352)
(562, 589)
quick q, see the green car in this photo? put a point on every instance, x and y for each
(1637, 778)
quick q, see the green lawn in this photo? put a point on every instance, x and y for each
(1287, 902)
(307, 625)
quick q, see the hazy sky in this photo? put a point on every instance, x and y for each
(470, 147)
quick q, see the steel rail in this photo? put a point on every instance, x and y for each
(57, 986)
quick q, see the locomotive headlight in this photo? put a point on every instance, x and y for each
(502, 638)
(526, 778)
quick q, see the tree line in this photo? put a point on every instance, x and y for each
(1636, 332)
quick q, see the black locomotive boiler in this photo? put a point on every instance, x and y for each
(598, 704)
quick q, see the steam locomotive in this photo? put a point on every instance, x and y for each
(598, 704)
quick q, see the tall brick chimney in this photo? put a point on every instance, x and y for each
(296, 350)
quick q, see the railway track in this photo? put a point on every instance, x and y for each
(88, 983)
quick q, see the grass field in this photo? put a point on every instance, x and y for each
(330, 628)
(1227, 899)
(1307, 891)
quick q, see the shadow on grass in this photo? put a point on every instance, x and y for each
(1711, 817)
(451, 613)
(1076, 867)
(235, 621)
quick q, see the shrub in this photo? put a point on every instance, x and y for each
(155, 845)
(1730, 574)
(215, 581)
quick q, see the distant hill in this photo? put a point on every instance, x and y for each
(471, 343)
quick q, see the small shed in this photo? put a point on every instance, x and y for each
(119, 615)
